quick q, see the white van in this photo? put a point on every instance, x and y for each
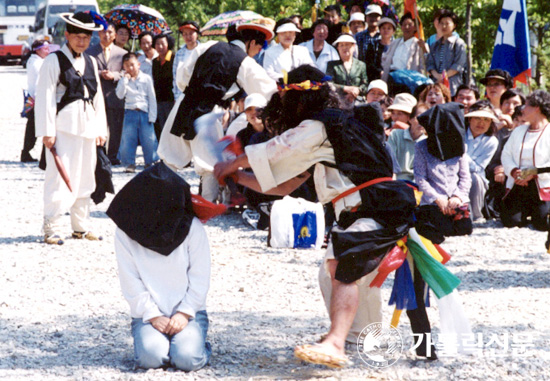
(48, 14)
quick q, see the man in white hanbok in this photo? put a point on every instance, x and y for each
(178, 147)
(72, 120)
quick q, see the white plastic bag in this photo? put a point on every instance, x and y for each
(296, 223)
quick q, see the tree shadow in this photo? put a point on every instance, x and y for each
(25, 239)
(501, 279)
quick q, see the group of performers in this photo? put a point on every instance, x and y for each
(162, 250)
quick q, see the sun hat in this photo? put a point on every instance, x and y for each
(192, 25)
(288, 27)
(403, 102)
(345, 37)
(357, 16)
(500, 74)
(373, 8)
(483, 113)
(255, 100)
(378, 84)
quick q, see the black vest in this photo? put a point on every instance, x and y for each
(74, 81)
(214, 73)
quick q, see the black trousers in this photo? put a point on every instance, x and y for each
(434, 225)
(115, 120)
(163, 110)
(420, 324)
(523, 202)
(30, 138)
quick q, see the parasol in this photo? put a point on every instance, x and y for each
(138, 18)
(218, 25)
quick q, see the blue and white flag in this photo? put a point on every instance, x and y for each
(512, 49)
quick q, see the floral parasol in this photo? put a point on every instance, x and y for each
(138, 18)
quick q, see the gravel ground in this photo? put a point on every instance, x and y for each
(62, 315)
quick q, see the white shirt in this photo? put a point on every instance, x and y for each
(77, 118)
(251, 76)
(526, 159)
(181, 56)
(327, 54)
(33, 69)
(277, 59)
(158, 285)
(138, 93)
(237, 125)
(146, 64)
(295, 151)
(402, 53)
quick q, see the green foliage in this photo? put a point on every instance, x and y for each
(485, 19)
(201, 11)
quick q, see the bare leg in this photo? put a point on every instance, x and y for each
(343, 307)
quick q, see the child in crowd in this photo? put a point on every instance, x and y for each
(140, 112)
(402, 142)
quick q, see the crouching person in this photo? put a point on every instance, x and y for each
(164, 269)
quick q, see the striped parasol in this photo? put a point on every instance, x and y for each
(218, 25)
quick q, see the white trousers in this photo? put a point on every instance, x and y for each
(177, 153)
(78, 155)
(370, 299)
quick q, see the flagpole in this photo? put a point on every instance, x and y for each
(417, 24)
(469, 41)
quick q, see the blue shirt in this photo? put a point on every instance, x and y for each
(480, 151)
(364, 39)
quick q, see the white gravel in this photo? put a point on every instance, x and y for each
(62, 315)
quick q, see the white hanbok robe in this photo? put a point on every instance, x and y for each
(75, 128)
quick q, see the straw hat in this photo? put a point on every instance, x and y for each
(482, 114)
(403, 102)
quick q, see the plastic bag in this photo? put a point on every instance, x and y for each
(296, 223)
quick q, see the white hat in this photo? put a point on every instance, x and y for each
(81, 20)
(482, 114)
(378, 84)
(357, 16)
(255, 100)
(288, 27)
(387, 20)
(345, 37)
(373, 8)
(403, 102)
